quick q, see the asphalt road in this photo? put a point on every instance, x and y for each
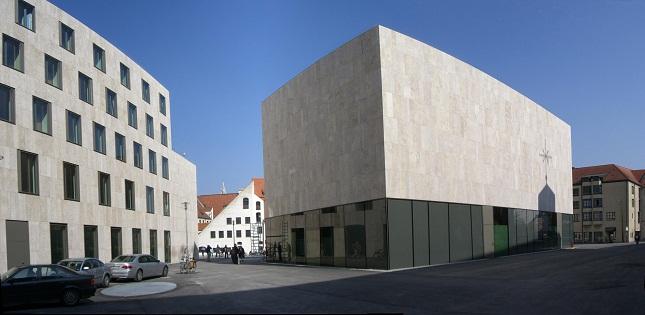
(579, 281)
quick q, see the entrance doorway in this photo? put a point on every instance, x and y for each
(17, 243)
(327, 246)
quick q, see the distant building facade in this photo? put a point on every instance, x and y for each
(86, 161)
(388, 153)
(607, 203)
(237, 218)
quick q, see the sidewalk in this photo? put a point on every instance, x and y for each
(603, 245)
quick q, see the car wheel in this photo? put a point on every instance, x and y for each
(106, 281)
(164, 273)
(139, 275)
(70, 297)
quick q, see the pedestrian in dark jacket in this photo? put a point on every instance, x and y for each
(226, 250)
(234, 254)
(208, 252)
(280, 252)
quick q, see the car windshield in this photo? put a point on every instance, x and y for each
(124, 258)
(9, 273)
(72, 264)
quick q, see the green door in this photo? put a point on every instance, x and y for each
(501, 240)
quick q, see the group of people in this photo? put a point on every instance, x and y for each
(236, 252)
(274, 252)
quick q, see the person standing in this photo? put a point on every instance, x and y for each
(218, 251)
(234, 254)
(280, 252)
(225, 252)
(208, 251)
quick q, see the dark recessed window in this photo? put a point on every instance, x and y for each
(586, 203)
(53, 72)
(248, 233)
(221, 234)
(104, 189)
(26, 15)
(125, 76)
(99, 138)
(238, 233)
(129, 195)
(247, 220)
(166, 204)
(597, 203)
(152, 162)
(71, 181)
(229, 234)
(138, 155)
(74, 128)
(145, 91)
(111, 103)
(7, 103)
(245, 203)
(119, 147)
(162, 104)
(258, 205)
(66, 37)
(99, 58)
(164, 168)
(136, 241)
(42, 112)
(576, 204)
(576, 192)
(586, 190)
(164, 135)
(213, 233)
(85, 89)
(229, 221)
(27, 172)
(238, 220)
(150, 128)
(597, 189)
(150, 199)
(12, 53)
(132, 115)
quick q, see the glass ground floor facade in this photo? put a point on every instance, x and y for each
(398, 233)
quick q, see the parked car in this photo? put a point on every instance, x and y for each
(137, 267)
(45, 283)
(89, 266)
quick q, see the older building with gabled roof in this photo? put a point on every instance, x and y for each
(607, 203)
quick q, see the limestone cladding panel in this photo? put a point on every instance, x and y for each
(323, 132)
(455, 134)
(49, 206)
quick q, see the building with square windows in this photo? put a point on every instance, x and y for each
(607, 203)
(86, 155)
(388, 153)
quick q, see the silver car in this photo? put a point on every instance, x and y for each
(89, 266)
(137, 267)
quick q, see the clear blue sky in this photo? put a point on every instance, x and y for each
(582, 60)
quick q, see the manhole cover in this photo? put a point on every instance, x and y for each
(138, 289)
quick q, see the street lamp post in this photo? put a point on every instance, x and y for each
(234, 243)
(186, 217)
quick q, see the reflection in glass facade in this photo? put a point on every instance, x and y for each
(397, 233)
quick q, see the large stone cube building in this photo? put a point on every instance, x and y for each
(388, 153)
(86, 160)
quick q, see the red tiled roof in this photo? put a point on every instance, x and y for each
(258, 187)
(202, 210)
(217, 202)
(640, 175)
(201, 226)
(609, 172)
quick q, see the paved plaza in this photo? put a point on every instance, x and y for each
(577, 281)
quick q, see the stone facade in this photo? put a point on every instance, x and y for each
(388, 116)
(49, 206)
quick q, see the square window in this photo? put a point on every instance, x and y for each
(248, 233)
(238, 220)
(53, 72)
(119, 147)
(111, 103)
(150, 128)
(132, 115)
(145, 91)
(104, 189)
(152, 162)
(138, 155)
(99, 58)
(125, 76)
(26, 15)
(229, 234)
(7, 103)
(238, 233)
(150, 199)
(229, 221)
(129, 195)
(162, 104)
(213, 234)
(74, 128)
(71, 181)
(99, 138)
(221, 234)
(66, 37)
(164, 167)
(85, 89)
(42, 116)
(12, 53)
(27, 172)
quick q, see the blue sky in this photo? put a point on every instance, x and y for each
(582, 60)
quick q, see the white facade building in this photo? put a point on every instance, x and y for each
(237, 218)
(86, 160)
